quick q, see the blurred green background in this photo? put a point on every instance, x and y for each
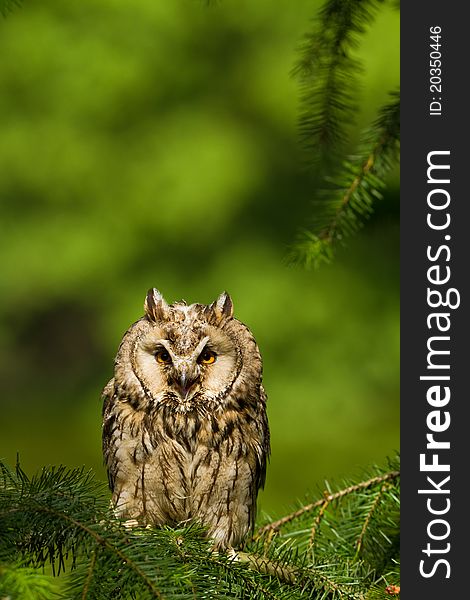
(155, 143)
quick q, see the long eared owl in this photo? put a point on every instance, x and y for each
(185, 431)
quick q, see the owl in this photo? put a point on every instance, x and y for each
(185, 430)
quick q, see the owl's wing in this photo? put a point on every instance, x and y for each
(107, 394)
(264, 437)
(108, 427)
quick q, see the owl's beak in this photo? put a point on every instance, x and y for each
(183, 380)
(184, 383)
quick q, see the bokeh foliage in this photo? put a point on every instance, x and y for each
(156, 144)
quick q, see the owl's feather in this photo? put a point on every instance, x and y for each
(185, 430)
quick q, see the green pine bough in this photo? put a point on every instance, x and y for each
(328, 73)
(342, 545)
(343, 205)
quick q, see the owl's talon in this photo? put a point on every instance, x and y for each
(233, 554)
(131, 523)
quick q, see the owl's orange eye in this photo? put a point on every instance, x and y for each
(163, 357)
(207, 357)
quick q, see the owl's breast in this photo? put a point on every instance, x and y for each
(171, 468)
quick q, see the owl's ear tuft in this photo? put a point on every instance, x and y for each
(221, 309)
(156, 309)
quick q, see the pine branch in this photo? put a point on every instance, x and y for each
(328, 75)
(368, 518)
(265, 565)
(61, 512)
(316, 523)
(341, 209)
(374, 481)
(89, 576)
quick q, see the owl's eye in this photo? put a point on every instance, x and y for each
(207, 357)
(163, 357)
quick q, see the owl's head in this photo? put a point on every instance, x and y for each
(187, 356)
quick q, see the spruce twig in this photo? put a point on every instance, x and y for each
(373, 508)
(276, 525)
(387, 132)
(90, 569)
(317, 521)
(328, 75)
(266, 566)
(349, 199)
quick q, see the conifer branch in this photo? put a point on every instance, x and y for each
(294, 575)
(276, 525)
(328, 75)
(341, 208)
(380, 158)
(367, 520)
(317, 521)
(266, 566)
(103, 541)
(90, 569)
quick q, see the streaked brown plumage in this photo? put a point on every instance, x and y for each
(185, 431)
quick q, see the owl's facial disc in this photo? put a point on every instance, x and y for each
(187, 362)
